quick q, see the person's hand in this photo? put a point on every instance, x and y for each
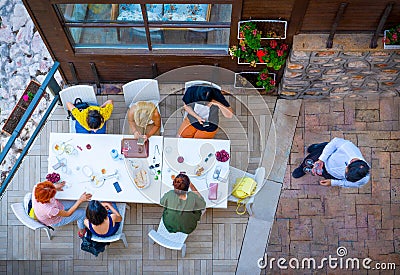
(317, 168)
(145, 138)
(107, 205)
(85, 197)
(136, 134)
(325, 182)
(59, 186)
(200, 120)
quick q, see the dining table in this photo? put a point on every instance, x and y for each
(93, 163)
(91, 156)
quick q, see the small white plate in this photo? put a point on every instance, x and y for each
(87, 171)
(58, 148)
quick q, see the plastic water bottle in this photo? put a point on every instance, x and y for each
(114, 154)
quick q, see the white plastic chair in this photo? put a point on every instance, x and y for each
(84, 92)
(22, 214)
(258, 177)
(175, 241)
(119, 235)
(201, 82)
(142, 90)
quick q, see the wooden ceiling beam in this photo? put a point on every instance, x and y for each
(384, 17)
(339, 15)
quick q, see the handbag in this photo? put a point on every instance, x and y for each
(91, 246)
(243, 189)
(78, 103)
(130, 148)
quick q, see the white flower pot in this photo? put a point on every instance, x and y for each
(272, 21)
(388, 47)
(238, 84)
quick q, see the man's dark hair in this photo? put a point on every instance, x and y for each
(94, 119)
(357, 170)
(96, 212)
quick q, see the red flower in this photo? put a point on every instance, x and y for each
(25, 97)
(241, 35)
(260, 54)
(243, 48)
(394, 36)
(254, 32)
(264, 76)
(273, 44)
(272, 82)
(279, 52)
(284, 47)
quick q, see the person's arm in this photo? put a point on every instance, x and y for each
(191, 112)
(194, 190)
(157, 123)
(331, 147)
(84, 197)
(349, 184)
(131, 121)
(107, 102)
(70, 106)
(116, 217)
(226, 111)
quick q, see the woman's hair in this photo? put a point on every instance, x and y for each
(357, 170)
(143, 113)
(181, 184)
(94, 119)
(96, 212)
(45, 191)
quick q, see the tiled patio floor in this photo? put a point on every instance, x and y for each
(313, 220)
(213, 248)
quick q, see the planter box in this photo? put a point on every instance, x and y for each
(247, 80)
(264, 26)
(20, 109)
(389, 47)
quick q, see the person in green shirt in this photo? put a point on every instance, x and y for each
(182, 209)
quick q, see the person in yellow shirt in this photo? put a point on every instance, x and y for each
(92, 120)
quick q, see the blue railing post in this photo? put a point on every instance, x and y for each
(55, 88)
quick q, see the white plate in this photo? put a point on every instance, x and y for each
(87, 171)
(58, 148)
(147, 179)
(98, 181)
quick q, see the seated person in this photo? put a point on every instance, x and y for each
(144, 119)
(202, 104)
(182, 209)
(102, 218)
(91, 120)
(52, 212)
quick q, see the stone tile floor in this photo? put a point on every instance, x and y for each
(313, 220)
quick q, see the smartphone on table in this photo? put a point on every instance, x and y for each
(141, 140)
(117, 187)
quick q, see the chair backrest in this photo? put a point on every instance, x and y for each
(84, 92)
(174, 241)
(201, 82)
(141, 90)
(20, 213)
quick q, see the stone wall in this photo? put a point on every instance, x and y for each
(346, 70)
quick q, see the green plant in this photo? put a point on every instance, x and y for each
(264, 80)
(251, 51)
(28, 96)
(393, 36)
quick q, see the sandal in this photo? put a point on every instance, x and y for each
(81, 233)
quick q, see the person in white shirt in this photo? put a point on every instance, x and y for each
(340, 162)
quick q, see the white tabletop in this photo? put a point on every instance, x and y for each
(194, 152)
(98, 158)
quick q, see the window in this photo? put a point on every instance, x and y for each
(149, 27)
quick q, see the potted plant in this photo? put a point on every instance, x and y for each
(269, 29)
(259, 80)
(391, 39)
(21, 107)
(250, 50)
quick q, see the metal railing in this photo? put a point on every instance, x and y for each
(55, 89)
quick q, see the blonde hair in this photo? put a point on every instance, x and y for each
(143, 113)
